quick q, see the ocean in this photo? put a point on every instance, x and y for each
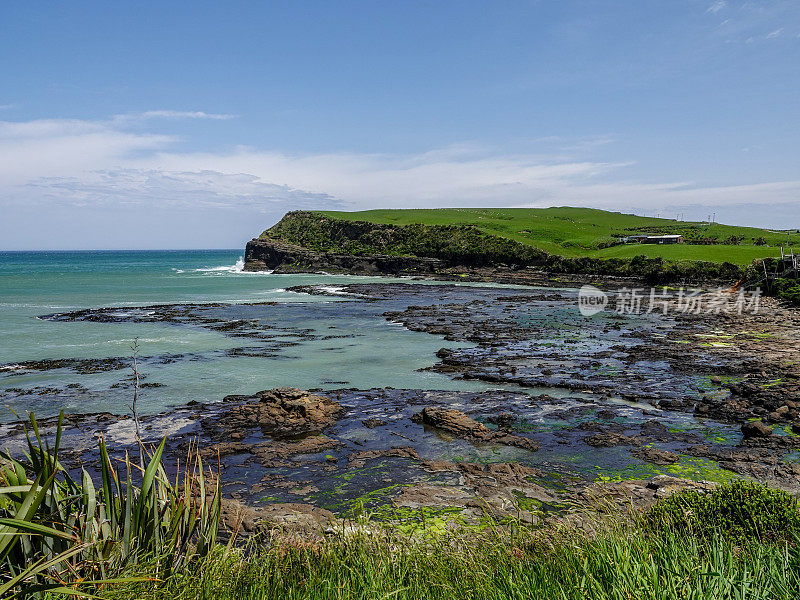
(313, 341)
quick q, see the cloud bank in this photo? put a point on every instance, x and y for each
(81, 168)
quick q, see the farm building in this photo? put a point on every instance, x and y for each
(663, 239)
(652, 239)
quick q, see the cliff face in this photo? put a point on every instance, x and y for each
(282, 257)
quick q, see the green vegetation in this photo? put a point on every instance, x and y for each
(619, 560)
(788, 289)
(464, 243)
(574, 232)
(56, 533)
(739, 510)
(687, 467)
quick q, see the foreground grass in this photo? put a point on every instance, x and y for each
(572, 232)
(741, 541)
(621, 564)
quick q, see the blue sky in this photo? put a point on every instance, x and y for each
(198, 124)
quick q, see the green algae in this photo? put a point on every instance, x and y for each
(760, 335)
(687, 467)
(422, 521)
(526, 503)
(771, 383)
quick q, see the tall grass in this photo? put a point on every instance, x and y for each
(57, 533)
(622, 564)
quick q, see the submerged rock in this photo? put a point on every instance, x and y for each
(373, 423)
(655, 456)
(609, 439)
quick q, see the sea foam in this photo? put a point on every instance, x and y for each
(237, 268)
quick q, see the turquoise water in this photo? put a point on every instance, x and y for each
(344, 344)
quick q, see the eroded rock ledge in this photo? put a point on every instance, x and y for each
(459, 424)
(283, 257)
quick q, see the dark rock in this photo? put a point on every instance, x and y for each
(655, 456)
(503, 420)
(461, 425)
(281, 412)
(609, 439)
(756, 429)
(358, 459)
(271, 254)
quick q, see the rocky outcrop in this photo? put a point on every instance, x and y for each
(656, 456)
(756, 429)
(279, 413)
(282, 257)
(456, 422)
(305, 241)
(247, 520)
(357, 460)
(308, 241)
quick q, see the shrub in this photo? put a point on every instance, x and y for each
(738, 510)
(788, 289)
(733, 240)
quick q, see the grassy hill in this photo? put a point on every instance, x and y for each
(576, 232)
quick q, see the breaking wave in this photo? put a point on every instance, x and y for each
(237, 268)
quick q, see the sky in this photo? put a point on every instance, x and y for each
(199, 124)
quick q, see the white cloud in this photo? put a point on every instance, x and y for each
(171, 189)
(30, 150)
(173, 114)
(450, 177)
(16, 130)
(84, 164)
(751, 22)
(717, 6)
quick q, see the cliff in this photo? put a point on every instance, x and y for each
(304, 241)
(262, 254)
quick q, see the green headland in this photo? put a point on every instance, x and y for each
(574, 232)
(562, 240)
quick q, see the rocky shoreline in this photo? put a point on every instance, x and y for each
(262, 442)
(620, 407)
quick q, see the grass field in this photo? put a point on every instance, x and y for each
(584, 231)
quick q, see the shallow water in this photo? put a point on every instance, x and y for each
(316, 341)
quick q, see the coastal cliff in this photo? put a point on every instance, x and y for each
(306, 241)
(282, 257)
